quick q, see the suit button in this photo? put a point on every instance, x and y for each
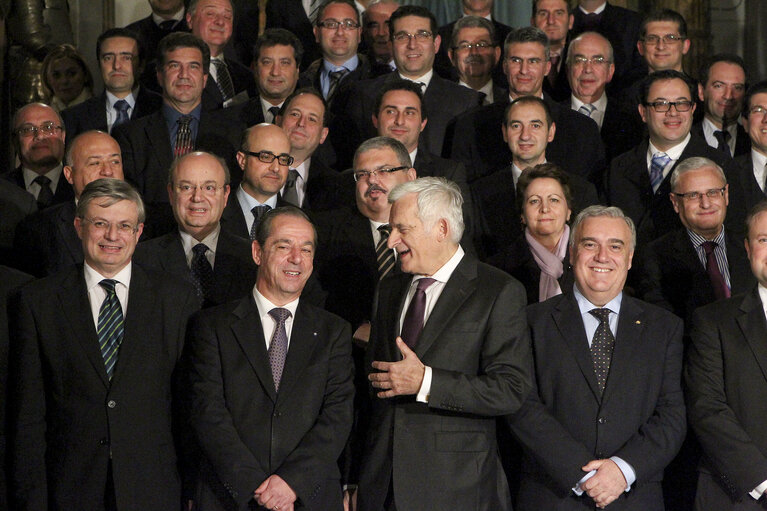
(276, 414)
(103, 441)
(602, 420)
(111, 403)
(600, 456)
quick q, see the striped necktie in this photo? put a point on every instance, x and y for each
(111, 327)
(384, 255)
(184, 142)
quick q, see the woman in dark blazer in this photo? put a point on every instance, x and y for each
(539, 258)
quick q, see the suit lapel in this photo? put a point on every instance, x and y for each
(249, 334)
(172, 252)
(67, 231)
(159, 140)
(627, 339)
(303, 341)
(754, 327)
(567, 317)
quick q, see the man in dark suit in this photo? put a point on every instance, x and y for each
(38, 139)
(475, 53)
(375, 31)
(217, 262)
(271, 384)
(95, 429)
(751, 175)
(722, 88)
(121, 59)
(150, 143)
(264, 158)
(725, 389)
(15, 206)
(590, 434)
(414, 32)
(622, 28)
(555, 19)
(293, 16)
(458, 359)
(478, 141)
(47, 242)
(229, 82)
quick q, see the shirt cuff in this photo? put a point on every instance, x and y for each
(757, 492)
(425, 390)
(577, 489)
(628, 471)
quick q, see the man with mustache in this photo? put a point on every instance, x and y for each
(474, 52)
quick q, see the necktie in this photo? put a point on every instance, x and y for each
(278, 347)
(110, 328)
(224, 79)
(587, 109)
(311, 7)
(554, 71)
(723, 137)
(335, 79)
(658, 163)
(721, 290)
(290, 194)
(121, 107)
(274, 110)
(413, 323)
(602, 347)
(258, 212)
(591, 21)
(45, 195)
(167, 25)
(184, 143)
(202, 273)
(384, 255)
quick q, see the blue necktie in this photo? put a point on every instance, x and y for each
(658, 163)
(110, 328)
(121, 106)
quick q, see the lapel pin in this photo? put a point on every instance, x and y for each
(314, 334)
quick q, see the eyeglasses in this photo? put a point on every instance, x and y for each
(102, 226)
(209, 189)
(757, 110)
(714, 193)
(421, 36)
(594, 61)
(481, 45)
(665, 106)
(332, 24)
(653, 40)
(46, 129)
(268, 157)
(362, 174)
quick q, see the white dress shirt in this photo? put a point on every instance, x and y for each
(759, 162)
(303, 175)
(268, 324)
(96, 293)
(674, 153)
(188, 242)
(30, 175)
(708, 133)
(598, 115)
(110, 106)
(248, 202)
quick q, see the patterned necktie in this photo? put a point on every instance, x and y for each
(121, 107)
(723, 138)
(258, 212)
(384, 255)
(413, 322)
(290, 194)
(45, 195)
(184, 143)
(587, 109)
(335, 79)
(311, 7)
(554, 71)
(111, 327)
(278, 347)
(602, 347)
(224, 79)
(658, 163)
(275, 111)
(202, 273)
(721, 291)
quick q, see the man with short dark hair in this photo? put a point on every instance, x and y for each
(749, 182)
(475, 53)
(555, 19)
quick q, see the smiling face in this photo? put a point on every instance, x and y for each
(414, 58)
(108, 250)
(183, 78)
(663, 55)
(545, 211)
(525, 65)
(527, 134)
(95, 155)
(119, 64)
(667, 129)
(285, 262)
(276, 72)
(372, 192)
(723, 93)
(588, 79)
(212, 22)
(756, 246)
(303, 124)
(756, 123)
(705, 215)
(341, 44)
(400, 118)
(601, 258)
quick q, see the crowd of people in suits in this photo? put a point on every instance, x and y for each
(360, 261)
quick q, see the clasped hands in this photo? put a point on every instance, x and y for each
(274, 493)
(401, 378)
(606, 485)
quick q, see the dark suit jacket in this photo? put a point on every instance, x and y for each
(63, 192)
(15, 205)
(67, 417)
(670, 274)
(478, 142)
(742, 140)
(564, 424)
(242, 79)
(444, 455)
(91, 114)
(233, 220)
(727, 401)
(151, 34)
(364, 71)
(234, 270)
(47, 242)
(290, 15)
(560, 91)
(246, 429)
(324, 188)
(745, 192)
(627, 185)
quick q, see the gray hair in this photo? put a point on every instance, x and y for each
(571, 51)
(527, 35)
(177, 162)
(602, 211)
(694, 163)
(403, 157)
(115, 190)
(472, 22)
(437, 198)
(192, 9)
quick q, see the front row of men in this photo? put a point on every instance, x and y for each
(97, 419)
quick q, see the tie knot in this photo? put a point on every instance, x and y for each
(279, 314)
(218, 63)
(587, 109)
(385, 231)
(108, 285)
(292, 177)
(42, 180)
(167, 25)
(338, 73)
(200, 249)
(424, 283)
(258, 211)
(709, 246)
(722, 135)
(274, 110)
(121, 105)
(602, 314)
(184, 121)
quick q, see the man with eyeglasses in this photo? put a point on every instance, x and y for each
(95, 429)
(750, 180)
(38, 139)
(638, 180)
(218, 263)
(475, 53)
(121, 61)
(555, 18)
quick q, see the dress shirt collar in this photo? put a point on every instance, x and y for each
(265, 106)
(178, 16)
(674, 152)
(597, 115)
(93, 277)
(130, 98)
(447, 269)
(763, 297)
(759, 165)
(54, 175)
(489, 17)
(248, 202)
(413, 156)
(486, 89)
(172, 115)
(698, 240)
(188, 242)
(584, 305)
(708, 133)
(598, 10)
(349, 65)
(264, 305)
(424, 79)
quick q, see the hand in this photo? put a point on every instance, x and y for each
(350, 500)
(606, 485)
(274, 493)
(362, 335)
(401, 378)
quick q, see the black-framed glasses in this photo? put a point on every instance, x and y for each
(331, 24)
(481, 45)
(599, 60)
(47, 129)
(362, 174)
(403, 37)
(664, 106)
(653, 40)
(714, 193)
(101, 226)
(268, 157)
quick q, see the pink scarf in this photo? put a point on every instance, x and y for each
(550, 263)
